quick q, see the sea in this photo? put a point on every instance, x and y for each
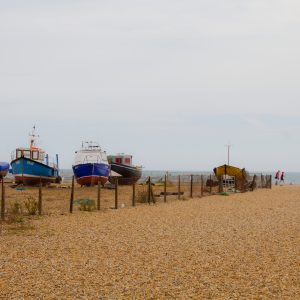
(290, 177)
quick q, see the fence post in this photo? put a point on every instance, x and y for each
(2, 200)
(191, 187)
(133, 194)
(116, 192)
(149, 190)
(210, 185)
(165, 189)
(72, 195)
(221, 184)
(235, 184)
(270, 181)
(243, 188)
(99, 195)
(40, 198)
(201, 186)
(178, 186)
(152, 195)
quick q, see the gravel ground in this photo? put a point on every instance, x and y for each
(245, 246)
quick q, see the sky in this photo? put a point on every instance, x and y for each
(170, 82)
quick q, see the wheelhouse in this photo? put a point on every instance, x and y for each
(122, 159)
(34, 154)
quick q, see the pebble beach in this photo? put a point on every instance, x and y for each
(241, 246)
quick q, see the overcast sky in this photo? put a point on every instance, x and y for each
(171, 82)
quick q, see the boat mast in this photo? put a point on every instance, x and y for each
(228, 153)
(33, 137)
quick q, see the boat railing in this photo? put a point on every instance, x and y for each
(90, 159)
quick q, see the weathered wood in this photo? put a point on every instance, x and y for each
(116, 193)
(152, 194)
(165, 189)
(72, 195)
(40, 198)
(2, 200)
(149, 190)
(178, 186)
(202, 183)
(99, 196)
(235, 184)
(133, 194)
(221, 184)
(191, 186)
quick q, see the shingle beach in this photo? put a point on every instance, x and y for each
(243, 246)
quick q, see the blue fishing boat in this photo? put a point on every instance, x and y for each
(4, 167)
(32, 165)
(91, 165)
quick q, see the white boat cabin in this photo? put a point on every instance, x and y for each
(90, 153)
(121, 159)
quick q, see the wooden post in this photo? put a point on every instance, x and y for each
(40, 198)
(116, 193)
(152, 195)
(133, 194)
(149, 190)
(2, 200)
(270, 178)
(191, 187)
(99, 196)
(262, 181)
(72, 195)
(201, 185)
(210, 185)
(221, 184)
(165, 189)
(235, 184)
(178, 186)
(243, 187)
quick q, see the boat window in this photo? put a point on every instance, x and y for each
(118, 160)
(19, 153)
(127, 160)
(42, 156)
(35, 155)
(26, 153)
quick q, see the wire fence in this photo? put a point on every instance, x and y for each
(71, 198)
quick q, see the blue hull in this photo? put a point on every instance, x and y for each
(91, 173)
(31, 172)
(4, 167)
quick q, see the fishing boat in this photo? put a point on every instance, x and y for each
(122, 164)
(230, 171)
(91, 165)
(4, 167)
(31, 166)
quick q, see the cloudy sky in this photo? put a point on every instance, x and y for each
(171, 82)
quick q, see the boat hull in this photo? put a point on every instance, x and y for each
(230, 170)
(130, 174)
(29, 172)
(91, 173)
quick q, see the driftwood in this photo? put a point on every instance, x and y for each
(171, 193)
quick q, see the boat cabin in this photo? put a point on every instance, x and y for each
(31, 153)
(90, 153)
(121, 159)
(90, 156)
